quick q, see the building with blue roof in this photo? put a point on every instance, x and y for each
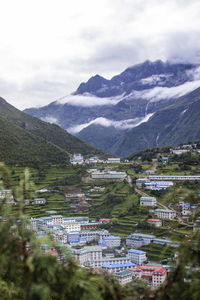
(137, 256)
(112, 241)
(136, 240)
(117, 267)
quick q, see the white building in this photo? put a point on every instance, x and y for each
(137, 256)
(57, 219)
(108, 175)
(92, 160)
(34, 223)
(185, 208)
(158, 185)
(141, 181)
(155, 222)
(69, 227)
(5, 193)
(145, 238)
(60, 237)
(154, 275)
(87, 254)
(77, 159)
(165, 214)
(111, 241)
(96, 235)
(39, 201)
(98, 263)
(81, 220)
(124, 277)
(113, 160)
(174, 177)
(134, 242)
(158, 277)
(148, 201)
(117, 267)
(179, 152)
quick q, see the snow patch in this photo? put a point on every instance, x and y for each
(184, 111)
(155, 79)
(122, 125)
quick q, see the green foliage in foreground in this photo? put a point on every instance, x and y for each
(27, 273)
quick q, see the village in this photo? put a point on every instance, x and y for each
(115, 218)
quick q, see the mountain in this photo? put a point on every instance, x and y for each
(27, 140)
(18, 146)
(170, 126)
(115, 115)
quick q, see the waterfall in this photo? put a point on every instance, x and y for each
(157, 138)
(146, 109)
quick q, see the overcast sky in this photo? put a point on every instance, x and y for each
(48, 47)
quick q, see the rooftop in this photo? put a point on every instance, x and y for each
(113, 266)
(136, 251)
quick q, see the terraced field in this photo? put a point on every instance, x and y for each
(157, 253)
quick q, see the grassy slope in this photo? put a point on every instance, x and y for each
(19, 146)
(47, 131)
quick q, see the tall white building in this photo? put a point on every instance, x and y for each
(165, 214)
(57, 219)
(137, 256)
(148, 201)
(113, 160)
(108, 175)
(70, 227)
(112, 241)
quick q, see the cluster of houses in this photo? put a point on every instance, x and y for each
(78, 159)
(7, 194)
(137, 240)
(187, 209)
(160, 182)
(100, 249)
(160, 213)
(174, 177)
(77, 199)
(154, 185)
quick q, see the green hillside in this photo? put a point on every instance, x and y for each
(18, 146)
(49, 132)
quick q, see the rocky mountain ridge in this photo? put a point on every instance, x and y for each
(104, 112)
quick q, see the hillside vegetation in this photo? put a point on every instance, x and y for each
(26, 139)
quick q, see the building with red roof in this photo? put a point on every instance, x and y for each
(154, 222)
(154, 275)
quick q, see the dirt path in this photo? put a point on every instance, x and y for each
(155, 166)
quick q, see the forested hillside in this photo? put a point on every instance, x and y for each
(26, 139)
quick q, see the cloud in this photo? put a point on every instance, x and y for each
(159, 93)
(183, 47)
(88, 100)
(44, 59)
(194, 74)
(51, 120)
(122, 125)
